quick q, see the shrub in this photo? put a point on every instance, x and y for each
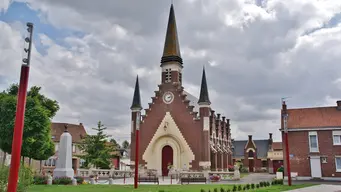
(202, 190)
(280, 182)
(62, 181)
(267, 183)
(239, 187)
(257, 186)
(228, 190)
(244, 188)
(222, 190)
(252, 186)
(247, 186)
(230, 167)
(40, 180)
(234, 188)
(244, 170)
(80, 180)
(261, 184)
(215, 190)
(25, 178)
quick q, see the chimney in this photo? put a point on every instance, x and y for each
(81, 124)
(250, 137)
(270, 136)
(212, 113)
(338, 104)
(284, 106)
(218, 116)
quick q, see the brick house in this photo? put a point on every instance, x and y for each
(314, 136)
(258, 155)
(178, 128)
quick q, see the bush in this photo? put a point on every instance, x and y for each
(268, 184)
(261, 184)
(25, 178)
(202, 190)
(252, 186)
(244, 188)
(80, 180)
(244, 170)
(247, 186)
(62, 181)
(215, 190)
(228, 190)
(40, 180)
(239, 187)
(234, 188)
(257, 186)
(222, 190)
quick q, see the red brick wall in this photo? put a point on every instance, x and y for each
(190, 129)
(299, 147)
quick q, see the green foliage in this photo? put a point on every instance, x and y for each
(215, 190)
(97, 151)
(222, 190)
(234, 188)
(62, 181)
(114, 143)
(125, 144)
(37, 141)
(228, 190)
(239, 187)
(79, 180)
(25, 178)
(252, 186)
(248, 186)
(40, 180)
(202, 190)
(257, 185)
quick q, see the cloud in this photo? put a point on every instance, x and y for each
(255, 53)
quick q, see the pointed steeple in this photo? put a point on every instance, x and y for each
(136, 99)
(204, 98)
(171, 50)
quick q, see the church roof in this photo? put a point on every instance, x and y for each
(261, 145)
(204, 97)
(136, 104)
(192, 101)
(171, 50)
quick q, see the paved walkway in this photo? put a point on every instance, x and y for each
(251, 178)
(319, 188)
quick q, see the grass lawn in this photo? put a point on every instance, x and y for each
(150, 188)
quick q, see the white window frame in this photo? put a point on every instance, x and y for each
(311, 133)
(336, 133)
(73, 148)
(337, 170)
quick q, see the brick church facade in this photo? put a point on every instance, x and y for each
(177, 128)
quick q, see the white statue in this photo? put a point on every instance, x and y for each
(236, 173)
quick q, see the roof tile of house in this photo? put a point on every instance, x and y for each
(76, 131)
(314, 117)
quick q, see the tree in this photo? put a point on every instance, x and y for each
(114, 143)
(37, 127)
(125, 144)
(97, 151)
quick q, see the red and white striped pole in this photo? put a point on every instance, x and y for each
(20, 116)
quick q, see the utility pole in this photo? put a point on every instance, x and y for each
(138, 118)
(20, 115)
(285, 129)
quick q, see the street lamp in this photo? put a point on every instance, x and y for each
(285, 120)
(20, 114)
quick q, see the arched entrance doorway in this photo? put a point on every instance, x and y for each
(167, 158)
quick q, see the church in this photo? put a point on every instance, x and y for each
(177, 128)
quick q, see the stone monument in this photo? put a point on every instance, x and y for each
(236, 174)
(64, 161)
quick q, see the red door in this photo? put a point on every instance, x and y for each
(251, 165)
(167, 158)
(276, 165)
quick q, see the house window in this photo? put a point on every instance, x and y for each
(51, 162)
(168, 76)
(313, 142)
(264, 163)
(337, 137)
(338, 164)
(250, 153)
(73, 148)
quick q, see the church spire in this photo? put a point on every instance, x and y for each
(136, 99)
(171, 50)
(204, 98)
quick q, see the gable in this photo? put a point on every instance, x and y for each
(239, 147)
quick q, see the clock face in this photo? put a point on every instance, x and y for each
(168, 97)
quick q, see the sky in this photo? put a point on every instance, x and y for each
(86, 55)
